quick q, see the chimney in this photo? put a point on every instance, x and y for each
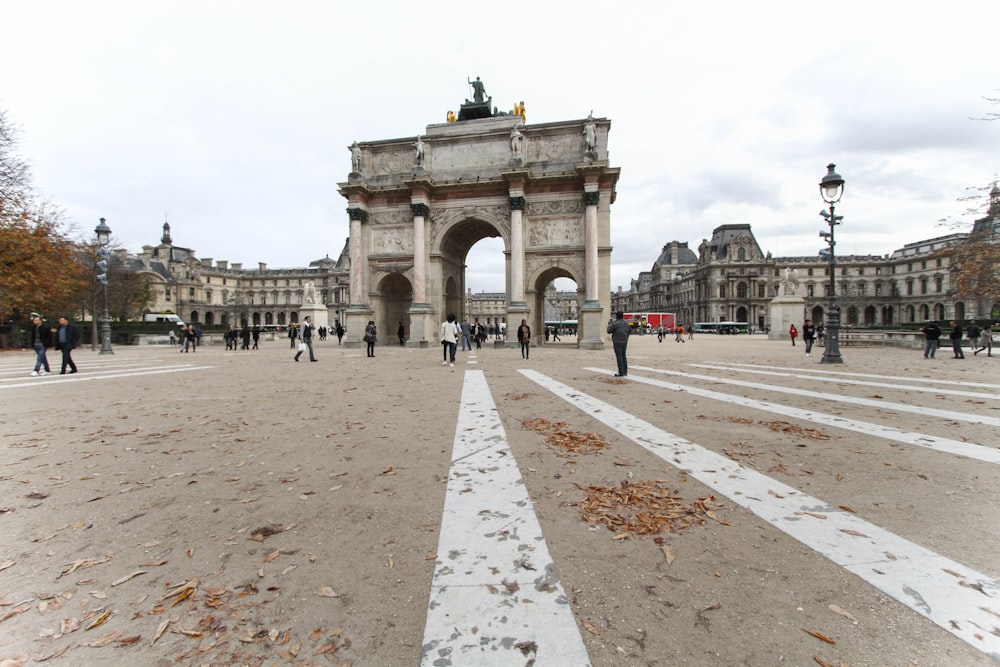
(262, 266)
(237, 266)
(222, 264)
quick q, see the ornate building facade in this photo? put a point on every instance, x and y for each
(732, 280)
(204, 291)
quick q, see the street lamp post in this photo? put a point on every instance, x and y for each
(832, 189)
(103, 253)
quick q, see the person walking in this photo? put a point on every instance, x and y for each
(620, 330)
(973, 333)
(524, 339)
(659, 334)
(466, 335)
(679, 334)
(401, 334)
(245, 337)
(932, 335)
(446, 334)
(985, 341)
(956, 340)
(256, 336)
(793, 332)
(293, 333)
(808, 336)
(67, 338)
(371, 335)
(41, 338)
(307, 339)
(340, 332)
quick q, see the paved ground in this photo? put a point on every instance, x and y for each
(231, 508)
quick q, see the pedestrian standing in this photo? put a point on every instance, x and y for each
(340, 332)
(808, 336)
(956, 340)
(679, 334)
(932, 335)
(793, 332)
(256, 336)
(191, 338)
(401, 334)
(466, 335)
(620, 330)
(371, 335)
(307, 339)
(173, 338)
(292, 335)
(67, 338)
(446, 334)
(524, 339)
(41, 338)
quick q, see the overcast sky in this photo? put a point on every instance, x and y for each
(231, 120)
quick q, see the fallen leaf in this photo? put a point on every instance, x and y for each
(852, 532)
(122, 580)
(589, 627)
(838, 610)
(669, 553)
(100, 619)
(159, 630)
(819, 636)
(104, 640)
(326, 592)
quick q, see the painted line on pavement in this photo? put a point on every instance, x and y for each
(964, 605)
(958, 447)
(81, 377)
(495, 587)
(793, 373)
(909, 378)
(882, 405)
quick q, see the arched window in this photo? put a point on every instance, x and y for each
(741, 289)
(741, 254)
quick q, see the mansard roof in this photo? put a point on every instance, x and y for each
(725, 235)
(683, 255)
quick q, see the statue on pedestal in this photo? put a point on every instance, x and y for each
(309, 294)
(418, 152)
(790, 282)
(516, 141)
(590, 137)
(355, 158)
(478, 91)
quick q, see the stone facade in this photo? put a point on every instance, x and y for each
(730, 279)
(203, 291)
(417, 205)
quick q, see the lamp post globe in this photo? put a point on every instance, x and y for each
(831, 188)
(103, 233)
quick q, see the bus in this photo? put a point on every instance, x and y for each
(722, 327)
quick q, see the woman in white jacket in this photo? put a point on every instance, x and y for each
(448, 340)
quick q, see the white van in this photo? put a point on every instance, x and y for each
(163, 317)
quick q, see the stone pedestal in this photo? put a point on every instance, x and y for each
(423, 326)
(355, 320)
(592, 327)
(785, 311)
(318, 312)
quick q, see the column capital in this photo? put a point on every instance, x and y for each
(359, 214)
(591, 198)
(420, 210)
(516, 203)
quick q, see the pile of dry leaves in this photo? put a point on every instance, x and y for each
(569, 441)
(640, 507)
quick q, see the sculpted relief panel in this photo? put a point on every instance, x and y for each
(388, 241)
(554, 232)
(394, 162)
(555, 148)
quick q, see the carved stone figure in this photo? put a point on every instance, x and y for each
(355, 158)
(790, 282)
(590, 135)
(516, 141)
(418, 152)
(309, 293)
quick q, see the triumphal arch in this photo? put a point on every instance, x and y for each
(417, 205)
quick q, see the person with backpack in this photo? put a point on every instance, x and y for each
(371, 335)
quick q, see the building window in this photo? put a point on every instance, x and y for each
(923, 264)
(166, 294)
(741, 290)
(878, 270)
(862, 288)
(939, 283)
(741, 255)
(909, 287)
(722, 291)
(761, 290)
(939, 262)
(878, 289)
(923, 285)
(810, 290)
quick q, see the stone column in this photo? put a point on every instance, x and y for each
(516, 248)
(590, 200)
(357, 217)
(420, 212)
(422, 324)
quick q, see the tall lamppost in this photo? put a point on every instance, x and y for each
(831, 188)
(103, 252)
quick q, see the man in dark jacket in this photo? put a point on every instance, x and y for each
(67, 339)
(41, 338)
(956, 340)
(932, 332)
(619, 331)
